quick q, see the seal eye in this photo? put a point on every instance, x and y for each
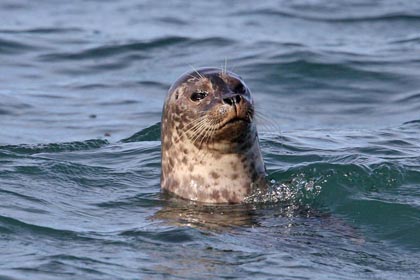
(239, 88)
(197, 96)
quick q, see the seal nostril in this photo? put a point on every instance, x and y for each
(232, 100)
(229, 101)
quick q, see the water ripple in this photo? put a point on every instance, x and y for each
(114, 50)
(333, 17)
(336, 84)
(10, 47)
(54, 147)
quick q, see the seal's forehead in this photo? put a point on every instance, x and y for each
(204, 73)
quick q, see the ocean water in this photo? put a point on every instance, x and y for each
(337, 88)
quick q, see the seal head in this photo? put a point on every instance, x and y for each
(210, 148)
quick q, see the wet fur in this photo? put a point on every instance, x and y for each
(210, 149)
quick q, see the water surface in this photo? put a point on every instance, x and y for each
(82, 85)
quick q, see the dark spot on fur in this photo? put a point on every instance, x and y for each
(252, 166)
(234, 166)
(254, 176)
(217, 156)
(225, 194)
(191, 168)
(175, 183)
(214, 175)
(184, 160)
(171, 162)
(234, 198)
(166, 145)
(215, 195)
(234, 176)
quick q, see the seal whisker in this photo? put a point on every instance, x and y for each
(204, 136)
(198, 132)
(208, 134)
(223, 67)
(191, 129)
(195, 122)
(266, 122)
(198, 73)
(192, 76)
(194, 129)
(232, 69)
(250, 114)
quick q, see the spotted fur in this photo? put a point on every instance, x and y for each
(210, 147)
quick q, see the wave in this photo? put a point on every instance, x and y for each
(117, 49)
(28, 149)
(46, 30)
(413, 96)
(332, 17)
(151, 133)
(18, 227)
(313, 66)
(15, 47)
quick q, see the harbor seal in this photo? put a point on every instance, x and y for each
(210, 145)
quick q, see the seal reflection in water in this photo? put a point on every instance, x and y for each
(210, 148)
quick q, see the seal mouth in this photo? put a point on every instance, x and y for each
(236, 121)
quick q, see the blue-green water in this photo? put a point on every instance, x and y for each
(337, 89)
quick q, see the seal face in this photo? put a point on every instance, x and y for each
(210, 148)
